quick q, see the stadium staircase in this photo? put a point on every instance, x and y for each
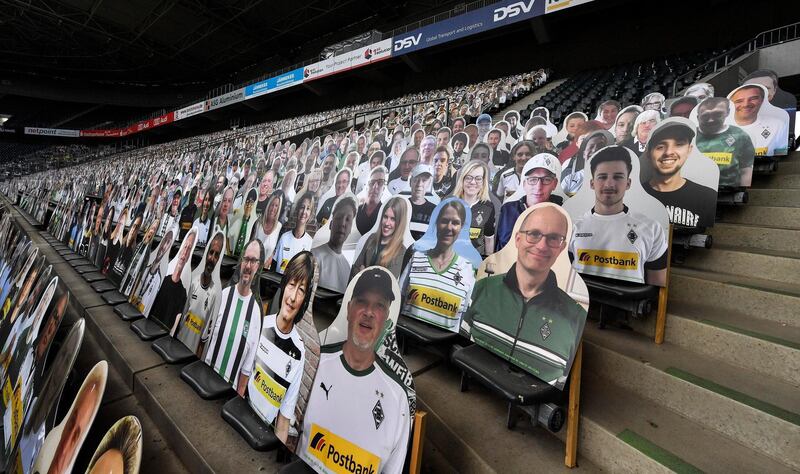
(720, 395)
(531, 98)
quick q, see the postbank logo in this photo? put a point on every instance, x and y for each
(339, 455)
(268, 387)
(720, 157)
(434, 301)
(609, 259)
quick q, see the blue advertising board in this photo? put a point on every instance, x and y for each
(467, 24)
(272, 84)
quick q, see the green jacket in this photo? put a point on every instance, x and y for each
(540, 335)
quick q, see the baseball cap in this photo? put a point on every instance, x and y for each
(421, 169)
(484, 118)
(377, 280)
(542, 160)
(672, 127)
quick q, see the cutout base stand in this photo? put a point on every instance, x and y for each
(128, 312)
(173, 351)
(148, 330)
(513, 384)
(259, 435)
(207, 383)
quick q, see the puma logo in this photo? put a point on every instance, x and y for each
(327, 389)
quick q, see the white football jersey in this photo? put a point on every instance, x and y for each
(342, 436)
(616, 246)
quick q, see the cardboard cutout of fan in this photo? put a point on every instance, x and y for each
(676, 173)
(387, 242)
(436, 284)
(273, 374)
(62, 444)
(726, 144)
(234, 332)
(619, 231)
(120, 450)
(362, 393)
(531, 309)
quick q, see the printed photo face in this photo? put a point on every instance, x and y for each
(678, 175)
(76, 424)
(534, 337)
(730, 147)
(368, 306)
(620, 231)
(767, 125)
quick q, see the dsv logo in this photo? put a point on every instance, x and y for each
(513, 10)
(407, 42)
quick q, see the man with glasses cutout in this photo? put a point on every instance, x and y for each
(539, 180)
(523, 315)
(235, 331)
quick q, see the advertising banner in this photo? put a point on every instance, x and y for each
(101, 133)
(273, 84)
(52, 132)
(190, 111)
(225, 99)
(358, 57)
(467, 24)
(553, 6)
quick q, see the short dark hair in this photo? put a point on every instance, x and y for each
(752, 86)
(712, 102)
(763, 73)
(611, 153)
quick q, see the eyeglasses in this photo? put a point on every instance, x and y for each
(534, 180)
(553, 241)
(377, 183)
(251, 261)
(473, 179)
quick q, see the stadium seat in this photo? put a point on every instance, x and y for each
(172, 350)
(515, 386)
(148, 330)
(260, 436)
(207, 383)
(127, 312)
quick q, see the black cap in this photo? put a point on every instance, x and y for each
(377, 280)
(671, 129)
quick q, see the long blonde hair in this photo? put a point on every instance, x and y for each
(395, 245)
(471, 165)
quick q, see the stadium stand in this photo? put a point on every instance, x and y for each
(527, 295)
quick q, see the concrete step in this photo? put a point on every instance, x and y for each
(460, 424)
(777, 181)
(731, 260)
(788, 166)
(773, 197)
(670, 441)
(762, 346)
(758, 237)
(746, 296)
(757, 411)
(766, 216)
(118, 401)
(528, 99)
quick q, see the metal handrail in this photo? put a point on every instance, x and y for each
(784, 33)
